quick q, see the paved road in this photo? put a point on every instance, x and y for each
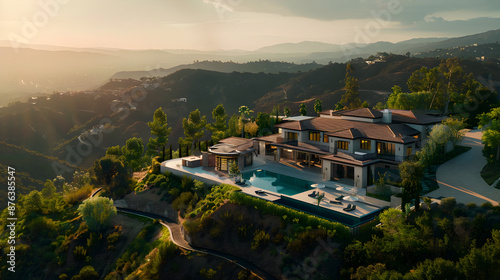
(178, 239)
(460, 177)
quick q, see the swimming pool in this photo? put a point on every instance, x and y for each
(277, 183)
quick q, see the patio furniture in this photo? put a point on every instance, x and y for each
(335, 202)
(241, 182)
(313, 194)
(341, 197)
(348, 208)
(260, 192)
(351, 209)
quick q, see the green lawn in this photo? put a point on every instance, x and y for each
(490, 173)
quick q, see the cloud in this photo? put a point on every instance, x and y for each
(410, 11)
(219, 4)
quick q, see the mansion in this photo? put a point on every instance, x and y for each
(352, 146)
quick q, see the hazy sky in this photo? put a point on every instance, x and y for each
(238, 24)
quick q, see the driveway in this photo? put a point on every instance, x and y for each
(460, 177)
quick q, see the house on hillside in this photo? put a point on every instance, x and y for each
(351, 146)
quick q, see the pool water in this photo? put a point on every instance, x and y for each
(277, 183)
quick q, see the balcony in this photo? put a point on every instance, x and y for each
(370, 156)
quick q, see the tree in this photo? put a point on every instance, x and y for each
(276, 112)
(303, 109)
(411, 173)
(160, 129)
(318, 107)
(491, 136)
(287, 112)
(33, 202)
(234, 170)
(114, 151)
(244, 117)
(219, 126)
(97, 212)
(48, 189)
(233, 126)
(132, 152)
(365, 104)
(351, 88)
(109, 169)
(86, 273)
(456, 127)
(193, 128)
(339, 106)
(262, 121)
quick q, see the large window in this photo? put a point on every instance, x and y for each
(365, 144)
(384, 148)
(325, 138)
(292, 136)
(408, 151)
(343, 145)
(224, 163)
(314, 136)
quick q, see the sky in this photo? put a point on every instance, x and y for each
(238, 24)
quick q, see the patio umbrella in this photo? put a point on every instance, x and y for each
(353, 191)
(351, 198)
(342, 188)
(318, 186)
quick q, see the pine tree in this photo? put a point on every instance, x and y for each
(160, 129)
(350, 98)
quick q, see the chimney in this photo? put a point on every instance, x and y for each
(387, 116)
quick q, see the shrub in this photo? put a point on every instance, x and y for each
(487, 205)
(447, 204)
(192, 226)
(333, 228)
(113, 239)
(208, 274)
(260, 239)
(78, 195)
(471, 205)
(80, 252)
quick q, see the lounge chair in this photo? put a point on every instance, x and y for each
(348, 208)
(313, 194)
(352, 208)
(341, 197)
(260, 192)
(241, 182)
(335, 202)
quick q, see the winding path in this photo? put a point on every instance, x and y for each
(178, 239)
(461, 177)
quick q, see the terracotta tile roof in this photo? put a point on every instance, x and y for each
(233, 144)
(409, 116)
(399, 133)
(360, 112)
(269, 138)
(235, 141)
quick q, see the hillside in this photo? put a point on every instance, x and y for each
(38, 69)
(265, 66)
(489, 51)
(375, 82)
(32, 169)
(51, 125)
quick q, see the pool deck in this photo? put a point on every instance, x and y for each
(211, 176)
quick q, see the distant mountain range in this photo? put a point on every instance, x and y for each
(38, 69)
(264, 66)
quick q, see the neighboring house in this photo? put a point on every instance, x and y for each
(349, 145)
